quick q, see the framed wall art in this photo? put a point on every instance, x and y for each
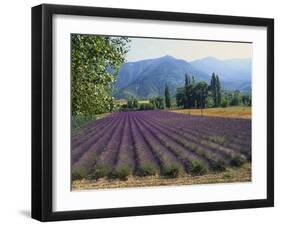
(146, 112)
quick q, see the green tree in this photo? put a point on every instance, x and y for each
(192, 93)
(167, 96)
(95, 61)
(189, 95)
(209, 101)
(158, 102)
(215, 88)
(201, 91)
(246, 99)
(180, 97)
(218, 87)
(152, 102)
(146, 106)
(187, 91)
(135, 103)
(236, 98)
(224, 103)
(132, 103)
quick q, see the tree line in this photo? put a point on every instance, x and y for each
(153, 103)
(193, 95)
(199, 95)
(158, 102)
(202, 95)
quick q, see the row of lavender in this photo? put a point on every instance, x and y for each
(158, 142)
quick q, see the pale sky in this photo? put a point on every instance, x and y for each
(147, 48)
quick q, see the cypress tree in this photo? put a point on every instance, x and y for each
(192, 92)
(187, 91)
(218, 90)
(193, 81)
(167, 97)
(187, 80)
(213, 88)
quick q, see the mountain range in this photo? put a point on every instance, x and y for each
(147, 78)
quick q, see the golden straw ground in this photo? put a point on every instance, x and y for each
(229, 112)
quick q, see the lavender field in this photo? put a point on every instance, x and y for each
(144, 143)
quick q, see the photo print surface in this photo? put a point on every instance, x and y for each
(153, 112)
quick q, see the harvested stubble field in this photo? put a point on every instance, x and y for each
(147, 148)
(229, 112)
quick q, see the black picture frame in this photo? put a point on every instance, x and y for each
(42, 111)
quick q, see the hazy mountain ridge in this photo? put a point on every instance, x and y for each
(228, 70)
(147, 78)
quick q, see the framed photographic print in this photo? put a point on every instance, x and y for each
(146, 112)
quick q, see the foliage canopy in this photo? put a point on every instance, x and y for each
(95, 64)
